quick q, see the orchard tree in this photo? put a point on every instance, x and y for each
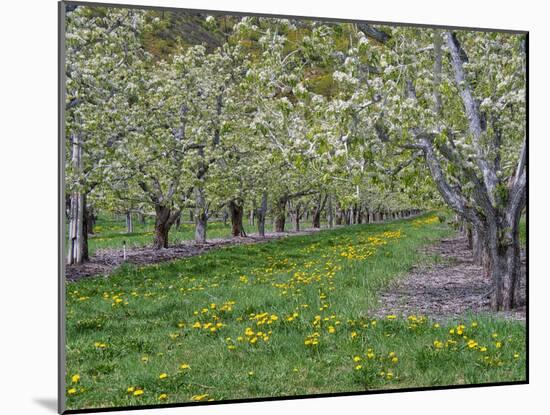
(101, 46)
(456, 100)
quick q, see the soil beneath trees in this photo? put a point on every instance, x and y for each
(106, 260)
(452, 286)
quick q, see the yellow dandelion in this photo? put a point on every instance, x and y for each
(185, 366)
(199, 397)
(75, 378)
(71, 391)
(163, 396)
(163, 375)
(138, 392)
(130, 389)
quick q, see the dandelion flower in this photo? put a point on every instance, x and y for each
(163, 397)
(185, 366)
(71, 391)
(163, 376)
(199, 397)
(138, 392)
(130, 389)
(75, 378)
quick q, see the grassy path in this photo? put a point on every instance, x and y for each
(281, 318)
(110, 233)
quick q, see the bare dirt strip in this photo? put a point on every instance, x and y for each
(452, 286)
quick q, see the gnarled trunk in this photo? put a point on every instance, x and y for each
(164, 219)
(505, 263)
(280, 214)
(236, 210)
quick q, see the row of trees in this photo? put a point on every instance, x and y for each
(291, 116)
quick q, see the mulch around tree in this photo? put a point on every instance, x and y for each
(452, 287)
(106, 260)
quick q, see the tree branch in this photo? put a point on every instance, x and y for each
(458, 57)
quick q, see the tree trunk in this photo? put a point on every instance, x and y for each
(280, 214)
(129, 223)
(297, 223)
(261, 212)
(85, 231)
(348, 216)
(330, 216)
(505, 263)
(316, 219)
(470, 236)
(77, 246)
(316, 215)
(477, 245)
(339, 216)
(225, 217)
(236, 210)
(164, 219)
(201, 216)
(90, 220)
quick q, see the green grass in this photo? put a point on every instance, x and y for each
(110, 232)
(125, 331)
